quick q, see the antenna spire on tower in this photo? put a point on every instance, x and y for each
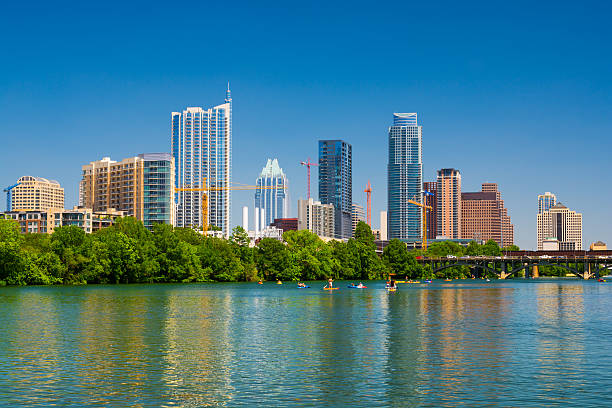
(228, 93)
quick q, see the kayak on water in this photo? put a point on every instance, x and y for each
(303, 287)
(391, 288)
(360, 286)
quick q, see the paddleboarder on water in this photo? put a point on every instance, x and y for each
(330, 283)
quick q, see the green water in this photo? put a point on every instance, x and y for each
(472, 343)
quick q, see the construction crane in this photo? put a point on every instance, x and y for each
(9, 195)
(368, 191)
(308, 164)
(206, 189)
(424, 209)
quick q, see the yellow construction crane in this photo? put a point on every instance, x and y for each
(205, 190)
(424, 209)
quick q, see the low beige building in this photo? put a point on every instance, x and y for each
(598, 246)
(35, 194)
(45, 221)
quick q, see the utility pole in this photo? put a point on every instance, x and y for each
(308, 164)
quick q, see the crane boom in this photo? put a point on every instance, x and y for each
(424, 209)
(205, 189)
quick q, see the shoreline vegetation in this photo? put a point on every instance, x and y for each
(128, 253)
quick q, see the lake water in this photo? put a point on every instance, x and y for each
(473, 343)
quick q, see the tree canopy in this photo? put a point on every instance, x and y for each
(129, 253)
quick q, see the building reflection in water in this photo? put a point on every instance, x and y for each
(448, 343)
(560, 339)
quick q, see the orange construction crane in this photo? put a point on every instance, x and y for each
(308, 164)
(368, 191)
(424, 209)
(205, 190)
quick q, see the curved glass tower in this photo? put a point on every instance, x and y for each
(405, 177)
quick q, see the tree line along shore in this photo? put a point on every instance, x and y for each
(129, 253)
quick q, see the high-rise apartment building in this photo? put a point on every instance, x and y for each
(316, 217)
(405, 177)
(484, 217)
(448, 201)
(202, 150)
(336, 183)
(274, 198)
(34, 194)
(546, 201)
(357, 214)
(141, 186)
(430, 200)
(561, 224)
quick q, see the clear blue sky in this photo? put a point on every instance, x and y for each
(517, 93)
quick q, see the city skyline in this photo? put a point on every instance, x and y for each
(490, 104)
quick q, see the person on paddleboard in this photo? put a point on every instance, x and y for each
(330, 283)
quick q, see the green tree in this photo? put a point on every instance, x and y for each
(511, 248)
(70, 243)
(399, 260)
(177, 260)
(363, 234)
(12, 259)
(490, 248)
(273, 259)
(219, 262)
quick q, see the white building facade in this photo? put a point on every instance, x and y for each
(561, 224)
(316, 217)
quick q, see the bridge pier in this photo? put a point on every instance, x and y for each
(535, 272)
(504, 272)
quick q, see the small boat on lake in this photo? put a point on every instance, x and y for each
(360, 286)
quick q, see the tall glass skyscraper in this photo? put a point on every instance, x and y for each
(404, 177)
(274, 201)
(202, 149)
(336, 183)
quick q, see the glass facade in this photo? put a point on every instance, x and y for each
(404, 177)
(201, 147)
(336, 183)
(274, 200)
(546, 201)
(157, 186)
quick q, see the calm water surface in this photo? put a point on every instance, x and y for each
(507, 343)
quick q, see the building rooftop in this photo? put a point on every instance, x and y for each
(43, 180)
(272, 169)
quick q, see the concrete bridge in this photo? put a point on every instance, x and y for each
(583, 264)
